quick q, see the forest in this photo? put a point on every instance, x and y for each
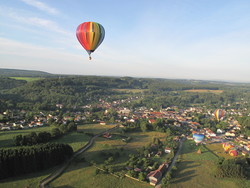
(76, 91)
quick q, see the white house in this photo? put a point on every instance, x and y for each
(167, 150)
(220, 131)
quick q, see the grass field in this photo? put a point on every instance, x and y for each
(218, 150)
(94, 128)
(28, 79)
(80, 174)
(84, 176)
(205, 91)
(197, 170)
(30, 180)
(6, 137)
(74, 139)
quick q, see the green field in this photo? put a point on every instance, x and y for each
(204, 91)
(80, 174)
(28, 79)
(29, 180)
(6, 137)
(197, 170)
(74, 139)
(94, 128)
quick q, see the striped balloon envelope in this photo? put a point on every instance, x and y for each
(90, 35)
(219, 114)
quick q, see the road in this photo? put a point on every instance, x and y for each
(173, 161)
(45, 182)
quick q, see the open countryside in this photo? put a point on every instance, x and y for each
(124, 94)
(147, 133)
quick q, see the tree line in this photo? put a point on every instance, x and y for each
(22, 160)
(232, 168)
(43, 137)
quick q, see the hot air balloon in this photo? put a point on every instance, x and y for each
(227, 146)
(90, 35)
(198, 138)
(233, 152)
(219, 114)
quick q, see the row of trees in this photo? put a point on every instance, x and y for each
(231, 168)
(23, 160)
(44, 137)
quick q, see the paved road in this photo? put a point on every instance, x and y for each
(173, 161)
(45, 182)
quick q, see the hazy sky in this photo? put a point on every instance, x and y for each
(193, 39)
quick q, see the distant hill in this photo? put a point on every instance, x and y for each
(23, 73)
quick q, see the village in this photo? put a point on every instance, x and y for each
(18, 119)
(181, 118)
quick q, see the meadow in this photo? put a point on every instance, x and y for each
(197, 170)
(81, 174)
(6, 137)
(204, 91)
(28, 79)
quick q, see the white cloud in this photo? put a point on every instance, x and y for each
(37, 22)
(19, 49)
(41, 6)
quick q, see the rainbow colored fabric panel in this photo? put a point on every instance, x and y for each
(90, 35)
(219, 113)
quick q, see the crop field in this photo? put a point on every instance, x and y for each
(28, 79)
(197, 170)
(205, 91)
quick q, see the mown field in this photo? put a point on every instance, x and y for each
(28, 79)
(94, 128)
(197, 170)
(204, 91)
(6, 137)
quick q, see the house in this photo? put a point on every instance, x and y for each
(151, 121)
(244, 152)
(220, 131)
(167, 150)
(137, 170)
(231, 134)
(107, 135)
(155, 176)
(5, 128)
(247, 147)
(102, 123)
